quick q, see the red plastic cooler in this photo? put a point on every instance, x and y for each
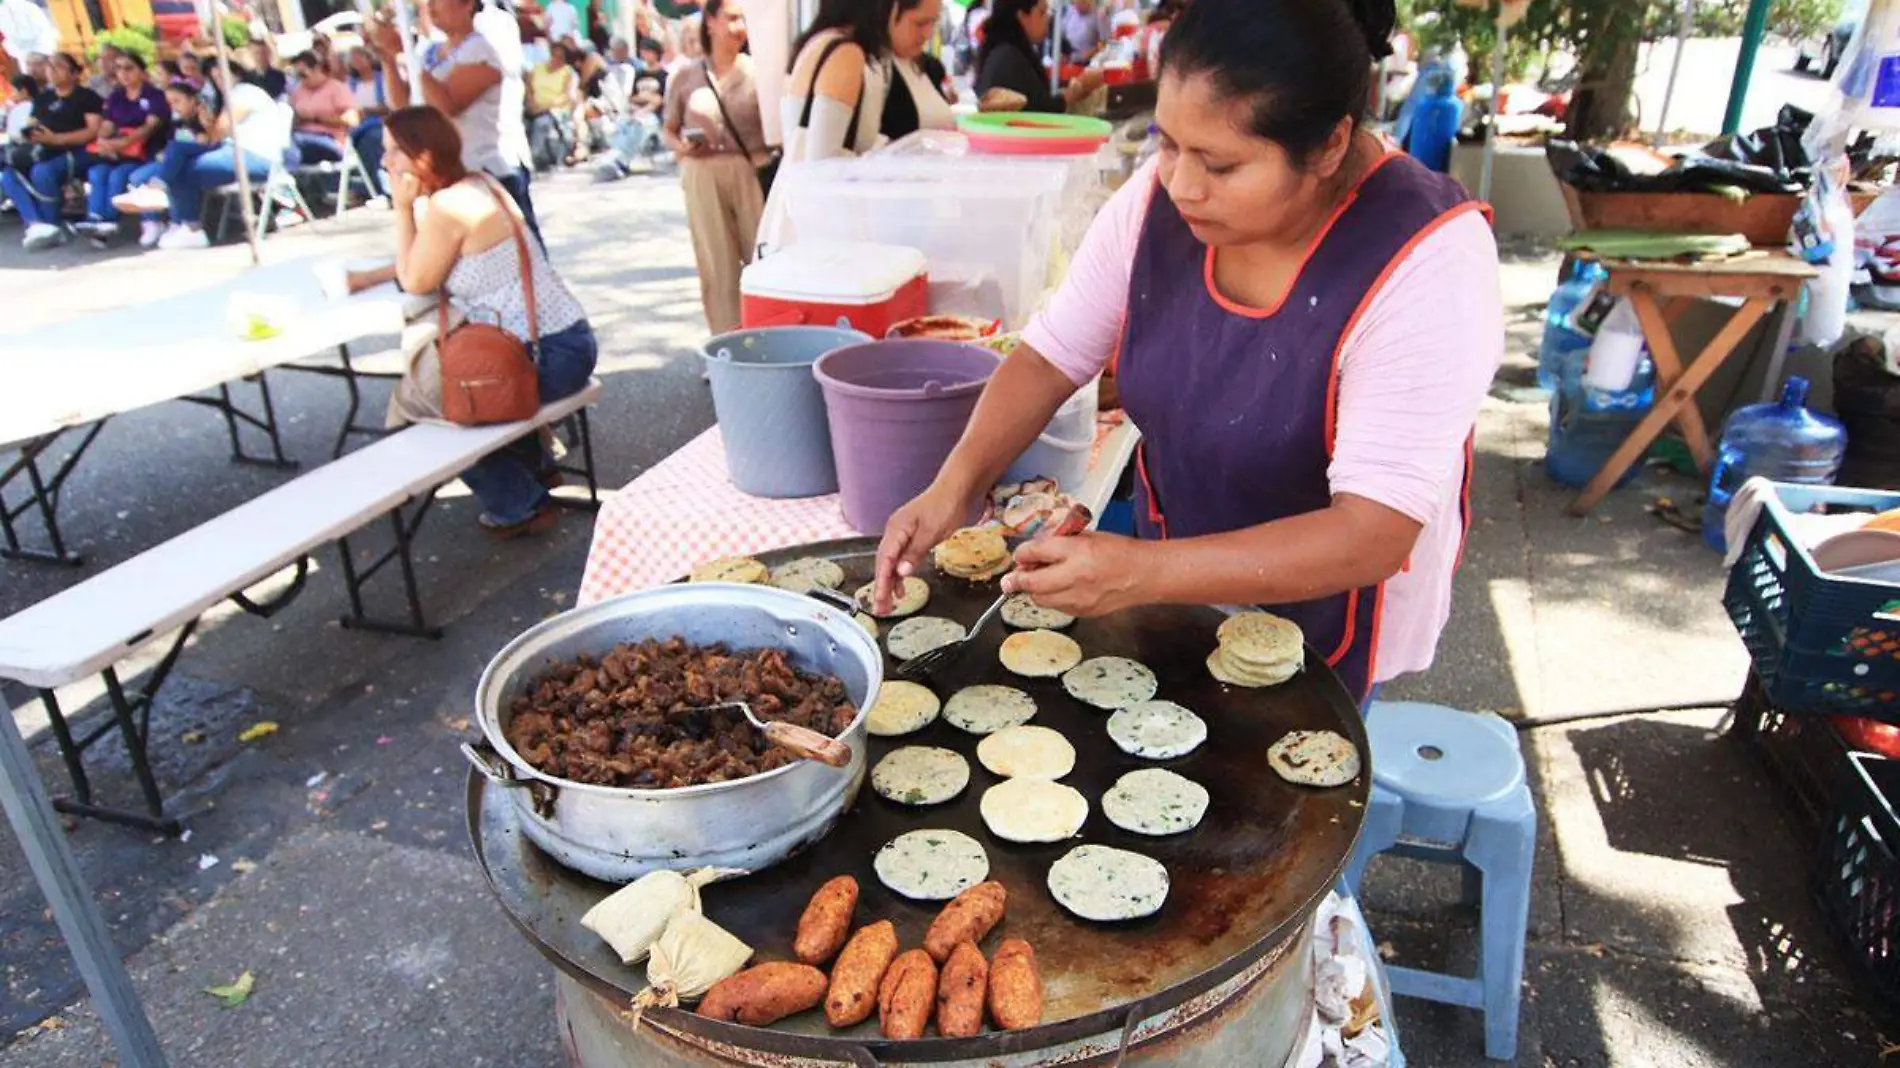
(862, 286)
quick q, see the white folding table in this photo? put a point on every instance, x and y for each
(64, 381)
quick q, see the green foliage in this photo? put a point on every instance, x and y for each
(1804, 18)
(237, 31)
(140, 41)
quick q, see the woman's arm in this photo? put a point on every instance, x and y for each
(142, 134)
(90, 133)
(840, 81)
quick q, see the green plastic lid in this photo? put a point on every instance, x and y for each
(1035, 125)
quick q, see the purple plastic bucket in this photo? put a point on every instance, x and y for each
(896, 408)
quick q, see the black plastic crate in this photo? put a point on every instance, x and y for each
(1858, 880)
(1821, 643)
(1805, 755)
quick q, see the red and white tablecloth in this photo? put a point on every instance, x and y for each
(686, 510)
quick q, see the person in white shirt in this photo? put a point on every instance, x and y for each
(476, 81)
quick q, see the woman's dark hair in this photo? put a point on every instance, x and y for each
(1302, 65)
(67, 60)
(424, 129)
(1004, 27)
(170, 68)
(135, 59)
(706, 15)
(307, 59)
(866, 23)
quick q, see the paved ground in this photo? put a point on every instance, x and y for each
(1670, 927)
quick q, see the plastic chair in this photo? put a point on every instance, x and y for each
(277, 190)
(1449, 787)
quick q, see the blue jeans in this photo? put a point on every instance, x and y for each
(38, 193)
(316, 147)
(187, 178)
(367, 139)
(508, 482)
(107, 179)
(517, 186)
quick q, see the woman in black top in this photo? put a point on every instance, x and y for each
(1011, 57)
(66, 118)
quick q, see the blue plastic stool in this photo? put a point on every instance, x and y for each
(1448, 787)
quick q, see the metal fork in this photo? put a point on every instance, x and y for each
(801, 740)
(1077, 519)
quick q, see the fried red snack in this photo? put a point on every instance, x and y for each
(960, 992)
(859, 974)
(907, 996)
(1015, 993)
(764, 993)
(967, 918)
(827, 921)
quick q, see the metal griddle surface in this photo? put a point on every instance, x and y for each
(1247, 876)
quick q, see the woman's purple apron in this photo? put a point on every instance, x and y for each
(1237, 405)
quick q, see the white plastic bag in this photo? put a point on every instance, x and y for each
(1616, 351)
(1826, 317)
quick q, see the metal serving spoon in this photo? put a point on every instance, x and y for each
(1075, 520)
(801, 740)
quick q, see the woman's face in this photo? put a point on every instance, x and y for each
(63, 74)
(911, 30)
(1230, 186)
(189, 67)
(1036, 22)
(453, 16)
(361, 64)
(313, 74)
(184, 105)
(728, 25)
(129, 76)
(399, 163)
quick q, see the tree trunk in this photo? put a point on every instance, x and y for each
(1600, 107)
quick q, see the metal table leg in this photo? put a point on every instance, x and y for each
(99, 961)
(402, 553)
(234, 415)
(42, 497)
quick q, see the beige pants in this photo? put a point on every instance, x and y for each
(723, 205)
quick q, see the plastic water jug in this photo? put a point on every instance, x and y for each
(1587, 424)
(1560, 333)
(1782, 441)
(1435, 124)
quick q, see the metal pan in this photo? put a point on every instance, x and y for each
(1245, 882)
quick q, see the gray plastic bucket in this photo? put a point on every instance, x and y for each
(771, 412)
(896, 410)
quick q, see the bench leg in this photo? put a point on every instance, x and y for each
(131, 717)
(584, 431)
(403, 555)
(42, 497)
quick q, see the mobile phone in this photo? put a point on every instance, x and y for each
(693, 135)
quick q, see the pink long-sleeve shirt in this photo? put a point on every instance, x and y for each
(1413, 372)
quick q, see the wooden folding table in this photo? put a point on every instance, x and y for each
(1659, 291)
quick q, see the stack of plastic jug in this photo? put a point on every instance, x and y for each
(1603, 391)
(1782, 441)
(1560, 333)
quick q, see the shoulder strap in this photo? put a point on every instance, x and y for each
(521, 251)
(811, 96)
(726, 116)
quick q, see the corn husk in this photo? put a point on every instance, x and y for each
(690, 956)
(632, 918)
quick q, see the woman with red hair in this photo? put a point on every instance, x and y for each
(468, 245)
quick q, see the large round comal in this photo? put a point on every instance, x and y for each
(618, 834)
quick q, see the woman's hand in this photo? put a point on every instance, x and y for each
(384, 35)
(405, 190)
(912, 531)
(1085, 575)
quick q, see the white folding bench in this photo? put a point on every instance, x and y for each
(89, 628)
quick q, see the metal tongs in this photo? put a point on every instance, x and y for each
(1075, 519)
(801, 740)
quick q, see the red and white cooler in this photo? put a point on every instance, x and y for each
(865, 286)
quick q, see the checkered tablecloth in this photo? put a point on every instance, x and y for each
(686, 510)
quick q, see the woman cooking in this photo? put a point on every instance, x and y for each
(1306, 325)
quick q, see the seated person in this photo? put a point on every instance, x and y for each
(263, 71)
(66, 118)
(326, 111)
(188, 170)
(635, 131)
(137, 124)
(189, 127)
(365, 79)
(553, 94)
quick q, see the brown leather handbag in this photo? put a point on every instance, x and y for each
(488, 374)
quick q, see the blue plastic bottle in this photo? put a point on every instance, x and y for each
(1434, 126)
(1587, 425)
(1560, 336)
(1782, 441)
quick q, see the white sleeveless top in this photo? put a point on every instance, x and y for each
(827, 113)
